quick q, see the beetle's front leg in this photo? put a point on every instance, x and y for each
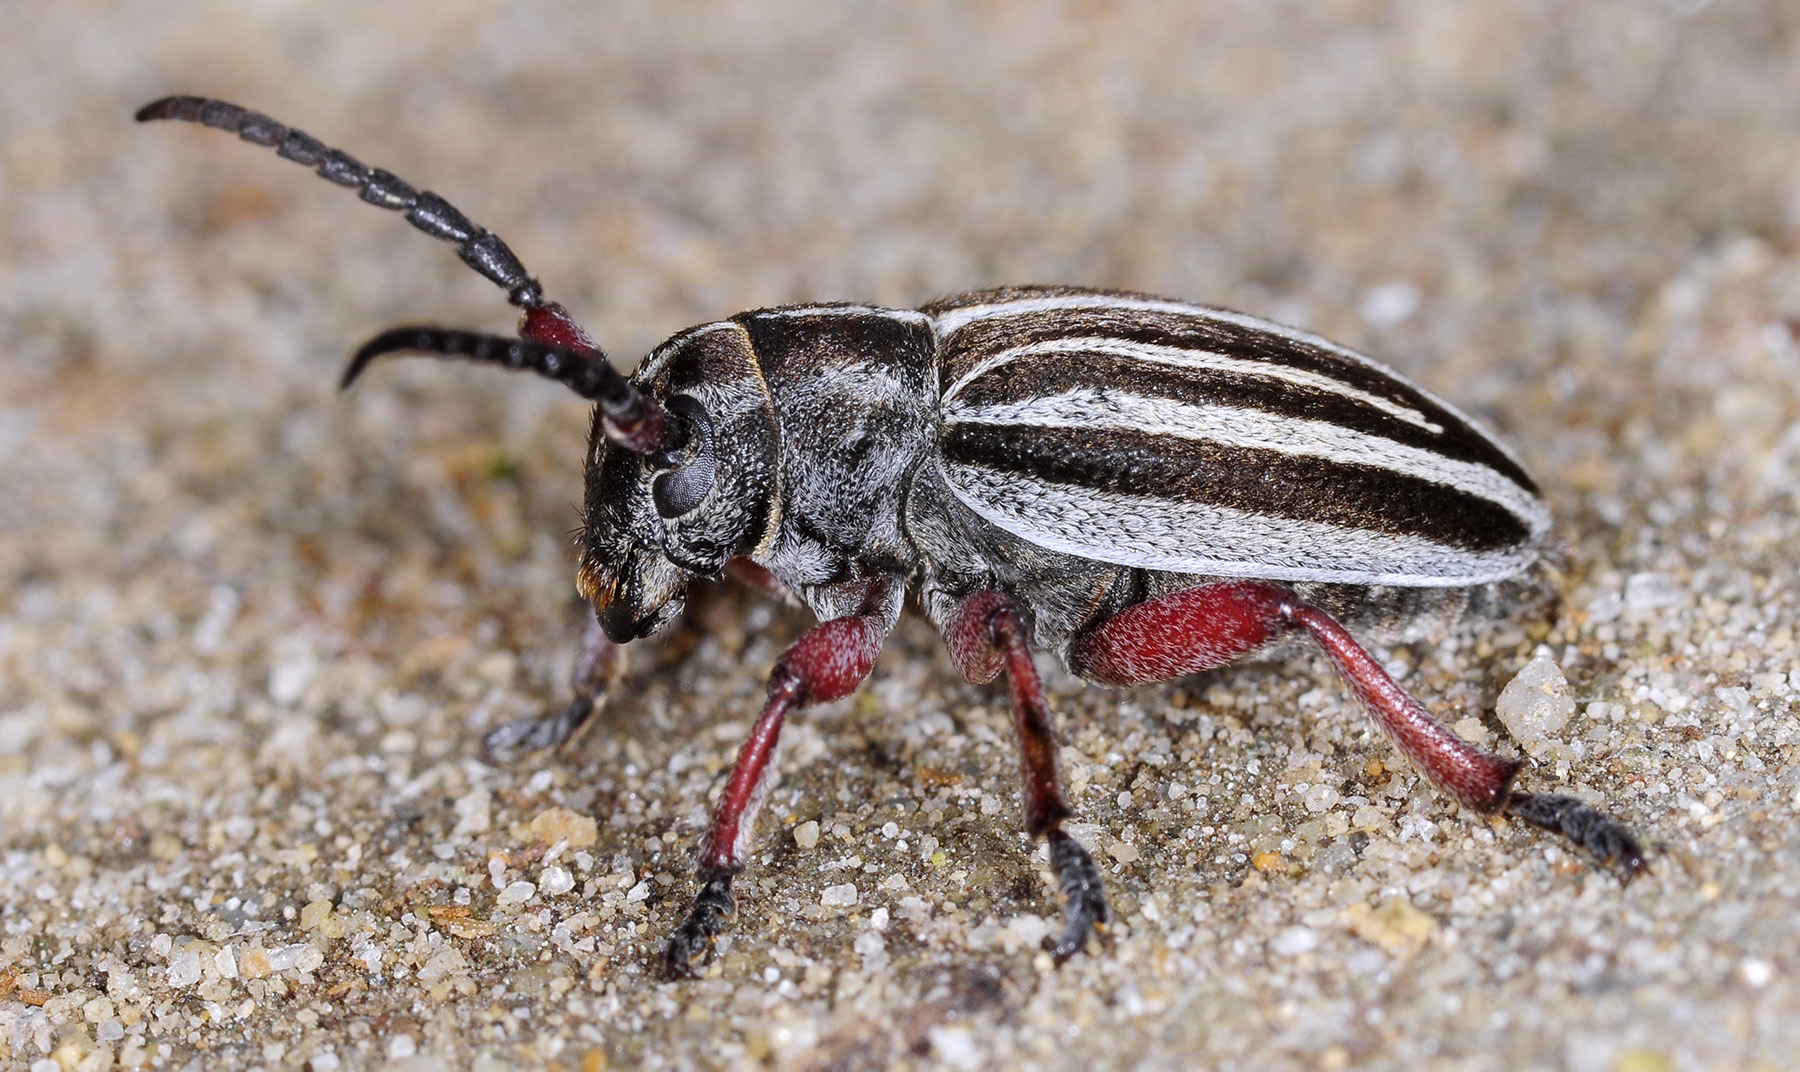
(1213, 624)
(986, 635)
(598, 667)
(828, 663)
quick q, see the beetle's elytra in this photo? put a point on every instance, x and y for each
(1143, 487)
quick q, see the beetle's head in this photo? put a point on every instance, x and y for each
(681, 467)
(654, 519)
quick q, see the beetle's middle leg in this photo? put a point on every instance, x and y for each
(986, 635)
(828, 662)
(1211, 625)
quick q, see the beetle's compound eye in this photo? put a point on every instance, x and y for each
(681, 488)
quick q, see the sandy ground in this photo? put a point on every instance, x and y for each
(251, 631)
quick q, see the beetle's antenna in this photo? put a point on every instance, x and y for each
(479, 248)
(631, 420)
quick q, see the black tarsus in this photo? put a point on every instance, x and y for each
(1602, 836)
(691, 943)
(598, 666)
(478, 247)
(1083, 891)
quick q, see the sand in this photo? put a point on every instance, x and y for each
(251, 631)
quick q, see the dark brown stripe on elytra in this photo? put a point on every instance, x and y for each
(1254, 481)
(962, 349)
(1044, 375)
(982, 339)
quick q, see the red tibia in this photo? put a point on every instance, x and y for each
(1044, 803)
(1211, 625)
(827, 663)
(551, 323)
(985, 634)
(1456, 766)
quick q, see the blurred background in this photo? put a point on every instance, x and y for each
(228, 595)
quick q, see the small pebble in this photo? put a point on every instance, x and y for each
(1295, 940)
(554, 881)
(472, 812)
(561, 824)
(1537, 702)
(1648, 591)
(184, 970)
(1390, 304)
(955, 1045)
(1756, 971)
(517, 893)
(1396, 927)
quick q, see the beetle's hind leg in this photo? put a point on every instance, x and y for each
(986, 635)
(1479, 780)
(1211, 625)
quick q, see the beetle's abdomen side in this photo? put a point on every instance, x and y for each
(1150, 433)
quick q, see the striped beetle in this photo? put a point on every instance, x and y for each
(1145, 488)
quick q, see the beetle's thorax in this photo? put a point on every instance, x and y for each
(806, 424)
(854, 390)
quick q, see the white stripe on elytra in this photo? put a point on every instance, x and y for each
(1202, 360)
(909, 315)
(1254, 429)
(951, 321)
(1185, 537)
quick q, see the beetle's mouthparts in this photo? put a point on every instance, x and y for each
(596, 583)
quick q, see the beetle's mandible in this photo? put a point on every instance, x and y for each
(1144, 488)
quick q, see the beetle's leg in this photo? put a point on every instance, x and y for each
(1211, 625)
(985, 636)
(756, 578)
(598, 666)
(828, 662)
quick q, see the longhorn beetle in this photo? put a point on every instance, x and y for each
(1143, 487)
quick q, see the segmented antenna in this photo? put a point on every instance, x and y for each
(478, 247)
(632, 421)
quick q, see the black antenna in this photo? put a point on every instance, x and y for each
(632, 421)
(479, 248)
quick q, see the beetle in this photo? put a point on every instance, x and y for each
(1143, 488)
